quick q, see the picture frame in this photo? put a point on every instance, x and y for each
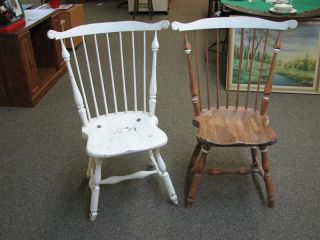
(11, 11)
(298, 64)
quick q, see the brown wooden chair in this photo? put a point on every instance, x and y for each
(222, 121)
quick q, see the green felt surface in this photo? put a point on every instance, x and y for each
(261, 6)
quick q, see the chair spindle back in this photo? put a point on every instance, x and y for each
(255, 66)
(103, 65)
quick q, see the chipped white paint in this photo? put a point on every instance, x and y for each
(118, 133)
(122, 133)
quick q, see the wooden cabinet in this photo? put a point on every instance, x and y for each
(30, 63)
(71, 18)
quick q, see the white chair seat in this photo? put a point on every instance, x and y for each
(122, 133)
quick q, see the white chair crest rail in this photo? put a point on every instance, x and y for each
(105, 75)
(220, 120)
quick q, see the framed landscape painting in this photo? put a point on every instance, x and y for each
(297, 68)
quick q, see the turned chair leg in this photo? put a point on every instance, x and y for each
(194, 155)
(267, 175)
(197, 169)
(95, 189)
(165, 176)
(90, 168)
(254, 155)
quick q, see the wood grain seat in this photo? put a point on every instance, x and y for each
(122, 133)
(234, 127)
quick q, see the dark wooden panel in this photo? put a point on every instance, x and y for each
(3, 75)
(44, 51)
(14, 90)
(28, 61)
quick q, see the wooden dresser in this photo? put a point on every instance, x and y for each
(30, 63)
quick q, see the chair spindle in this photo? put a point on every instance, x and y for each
(197, 63)
(112, 75)
(218, 69)
(227, 74)
(153, 82)
(194, 89)
(144, 72)
(268, 85)
(76, 93)
(134, 72)
(123, 75)
(90, 77)
(100, 75)
(266, 36)
(207, 70)
(239, 67)
(251, 56)
(80, 79)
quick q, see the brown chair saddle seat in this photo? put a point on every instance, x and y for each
(234, 127)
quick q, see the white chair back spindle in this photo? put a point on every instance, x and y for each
(80, 79)
(111, 75)
(153, 83)
(123, 75)
(76, 93)
(134, 72)
(144, 73)
(100, 75)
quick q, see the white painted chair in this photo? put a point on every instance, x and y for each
(120, 131)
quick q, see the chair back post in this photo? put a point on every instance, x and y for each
(76, 93)
(194, 88)
(268, 85)
(153, 82)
